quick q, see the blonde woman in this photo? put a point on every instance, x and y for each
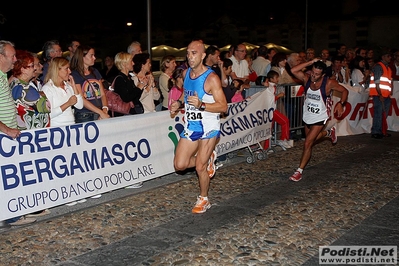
(124, 85)
(62, 92)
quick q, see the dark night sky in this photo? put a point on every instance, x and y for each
(171, 14)
(28, 26)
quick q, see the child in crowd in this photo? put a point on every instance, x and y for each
(238, 88)
(271, 81)
(175, 85)
(227, 82)
(232, 88)
(252, 74)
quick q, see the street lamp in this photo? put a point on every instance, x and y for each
(306, 25)
(149, 27)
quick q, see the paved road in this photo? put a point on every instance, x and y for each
(348, 196)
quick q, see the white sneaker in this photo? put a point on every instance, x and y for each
(137, 185)
(284, 143)
(72, 203)
(218, 165)
(288, 144)
(291, 142)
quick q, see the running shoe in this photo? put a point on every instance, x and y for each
(211, 168)
(334, 138)
(296, 176)
(201, 205)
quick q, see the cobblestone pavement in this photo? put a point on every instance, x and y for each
(258, 216)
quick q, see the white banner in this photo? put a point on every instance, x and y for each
(53, 166)
(247, 123)
(358, 114)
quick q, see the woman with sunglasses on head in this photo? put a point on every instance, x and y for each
(33, 108)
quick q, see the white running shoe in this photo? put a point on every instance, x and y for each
(137, 185)
(284, 143)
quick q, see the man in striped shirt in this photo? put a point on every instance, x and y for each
(8, 112)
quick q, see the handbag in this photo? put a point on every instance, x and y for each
(115, 102)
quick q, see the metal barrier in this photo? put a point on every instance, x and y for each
(290, 105)
(252, 90)
(293, 102)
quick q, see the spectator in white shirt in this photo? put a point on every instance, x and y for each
(261, 62)
(360, 75)
(240, 65)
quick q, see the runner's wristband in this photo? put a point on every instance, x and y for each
(202, 107)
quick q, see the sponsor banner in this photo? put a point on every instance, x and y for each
(247, 123)
(393, 115)
(358, 113)
(53, 166)
(356, 255)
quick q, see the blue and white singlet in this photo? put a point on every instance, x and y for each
(199, 124)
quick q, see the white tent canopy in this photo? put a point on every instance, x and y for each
(279, 48)
(158, 52)
(251, 46)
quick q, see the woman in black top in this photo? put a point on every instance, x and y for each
(124, 85)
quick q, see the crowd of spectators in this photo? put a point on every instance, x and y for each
(41, 92)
